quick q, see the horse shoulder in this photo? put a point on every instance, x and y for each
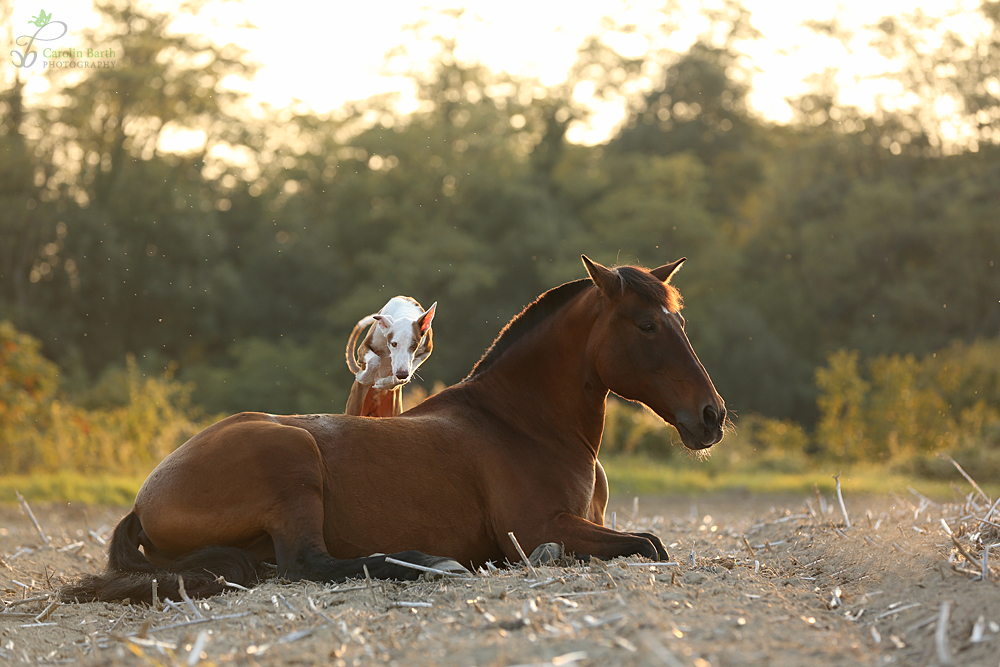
(526, 469)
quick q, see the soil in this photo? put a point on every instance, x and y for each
(753, 580)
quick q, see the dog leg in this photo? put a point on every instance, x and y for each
(370, 372)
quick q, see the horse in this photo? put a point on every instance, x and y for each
(512, 448)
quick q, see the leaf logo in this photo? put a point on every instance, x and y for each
(42, 19)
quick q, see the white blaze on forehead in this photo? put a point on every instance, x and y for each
(672, 316)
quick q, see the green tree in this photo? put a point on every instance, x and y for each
(127, 248)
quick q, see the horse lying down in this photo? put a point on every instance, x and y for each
(511, 449)
(399, 340)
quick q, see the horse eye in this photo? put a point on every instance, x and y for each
(648, 327)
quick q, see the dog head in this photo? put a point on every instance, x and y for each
(408, 341)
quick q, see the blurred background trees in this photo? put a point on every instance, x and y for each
(857, 243)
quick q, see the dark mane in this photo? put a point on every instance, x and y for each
(527, 319)
(649, 287)
(637, 279)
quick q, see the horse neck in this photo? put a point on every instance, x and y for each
(546, 381)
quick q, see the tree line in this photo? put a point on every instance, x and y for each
(244, 263)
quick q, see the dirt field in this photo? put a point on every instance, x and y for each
(752, 581)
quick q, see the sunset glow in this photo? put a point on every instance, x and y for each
(326, 55)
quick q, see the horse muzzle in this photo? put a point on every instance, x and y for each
(697, 434)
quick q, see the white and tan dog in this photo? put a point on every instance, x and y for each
(399, 340)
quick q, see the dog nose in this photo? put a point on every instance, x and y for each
(402, 375)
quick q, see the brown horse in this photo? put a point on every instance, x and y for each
(512, 448)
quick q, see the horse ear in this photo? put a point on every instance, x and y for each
(425, 320)
(665, 272)
(385, 321)
(603, 277)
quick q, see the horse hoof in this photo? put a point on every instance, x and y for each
(549, 553)
(445, 565)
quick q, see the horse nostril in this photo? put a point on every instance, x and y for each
(712, 418)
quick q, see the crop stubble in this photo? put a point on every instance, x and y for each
(753, 581)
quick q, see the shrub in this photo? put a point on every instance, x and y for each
(905, 411)
(762, 443)
(28, 383)
(41, 431)
(630, 428)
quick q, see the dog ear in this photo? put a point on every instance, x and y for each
(665, 272)
(385, 321)
(606, 279)
(424, 321)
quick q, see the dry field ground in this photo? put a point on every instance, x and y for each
(779, 581)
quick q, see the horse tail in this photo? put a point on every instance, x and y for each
(130, 575)
(352, 342)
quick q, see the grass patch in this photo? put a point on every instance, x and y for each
(71, 487)
(645, 476)
(638, 475)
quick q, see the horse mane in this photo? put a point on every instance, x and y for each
(532, 314)
(637, 279)
(649, 287)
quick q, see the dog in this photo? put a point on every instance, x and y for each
(399, 340)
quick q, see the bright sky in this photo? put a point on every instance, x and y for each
(327, 54)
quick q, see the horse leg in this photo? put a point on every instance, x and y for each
(316, 564)
(295, 524)
(599, 504)
(599, 501)
(586, 538)
(301, 554)
(661, 551)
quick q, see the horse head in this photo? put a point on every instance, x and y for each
(642, 353)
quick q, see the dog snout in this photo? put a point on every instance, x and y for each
(402, 374)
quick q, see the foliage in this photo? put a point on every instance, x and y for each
(897, 412)
(70, 486)
(758, 444)
(640, 475)
(247, 258)
(27, 385)
(41, 431)
(904, 411)
(630, 429)
(887, 419)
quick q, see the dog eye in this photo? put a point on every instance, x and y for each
(648, 327)
(394, 343)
